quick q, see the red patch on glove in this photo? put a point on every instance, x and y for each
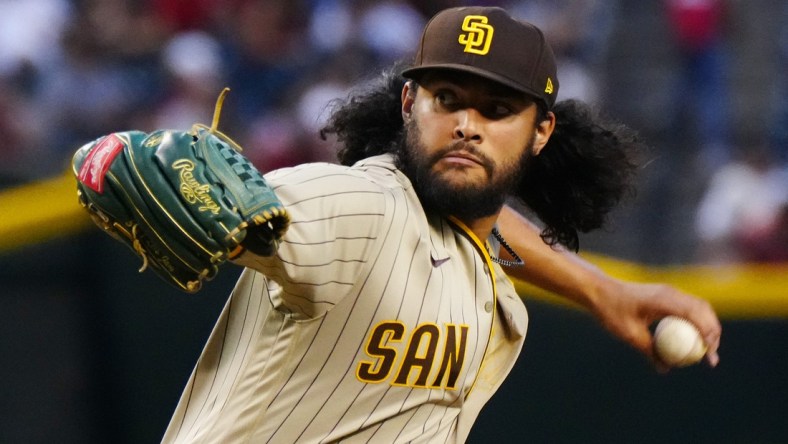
(98, 161)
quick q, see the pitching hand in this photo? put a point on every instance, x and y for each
(630, 309)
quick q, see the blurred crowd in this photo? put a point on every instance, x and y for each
(73, 70)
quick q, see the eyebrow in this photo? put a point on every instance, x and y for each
(490, 88)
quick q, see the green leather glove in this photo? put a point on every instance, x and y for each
(184, 201)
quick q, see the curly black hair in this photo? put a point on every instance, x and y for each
(586, 168)
(369, 122)
(583, 172)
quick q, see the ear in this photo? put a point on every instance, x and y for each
(408, 98)
(543, 131)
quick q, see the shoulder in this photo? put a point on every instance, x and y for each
(367, 193)
(374, 175)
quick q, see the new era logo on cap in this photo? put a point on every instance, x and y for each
(549, 87)
(488, 42)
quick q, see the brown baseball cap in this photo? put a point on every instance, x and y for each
(488, 42)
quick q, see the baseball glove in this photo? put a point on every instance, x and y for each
(183, 201)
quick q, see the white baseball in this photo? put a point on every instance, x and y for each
(677, 342)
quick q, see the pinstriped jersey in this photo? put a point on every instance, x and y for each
(374, 322)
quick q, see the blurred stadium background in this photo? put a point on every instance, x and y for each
(92, 352)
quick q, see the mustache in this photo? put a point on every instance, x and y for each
(462, 146)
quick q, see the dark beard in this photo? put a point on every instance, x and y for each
(466, 202)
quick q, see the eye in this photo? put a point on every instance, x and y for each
(446, 98)
(501, 109)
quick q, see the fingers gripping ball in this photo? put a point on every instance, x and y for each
(677, 342)
(185, 202)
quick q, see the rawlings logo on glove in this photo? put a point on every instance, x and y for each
(184, 201)
(193, 191)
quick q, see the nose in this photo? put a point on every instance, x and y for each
(468, 125)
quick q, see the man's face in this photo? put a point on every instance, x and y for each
(466, 143)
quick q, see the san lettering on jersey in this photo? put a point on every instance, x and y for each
(423, 357)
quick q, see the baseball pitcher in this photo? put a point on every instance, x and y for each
(374, 305)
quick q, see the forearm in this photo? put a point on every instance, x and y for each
(552, 268)
(627, 309)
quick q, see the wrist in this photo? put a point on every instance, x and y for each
(597, 291)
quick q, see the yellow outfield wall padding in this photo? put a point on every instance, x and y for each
(49, 209)
(40, 211)
(737, 291)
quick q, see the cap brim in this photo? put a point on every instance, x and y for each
(416, 72)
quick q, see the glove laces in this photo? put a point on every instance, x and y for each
(135, 242)
(214, 128)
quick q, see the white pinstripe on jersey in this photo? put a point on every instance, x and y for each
(372, 323)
